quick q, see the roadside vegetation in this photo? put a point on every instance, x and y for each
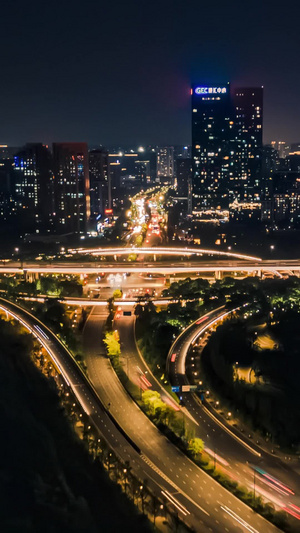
(66, 322)
(172, 425)
(47, 285)
(54, 477)
(262, 384)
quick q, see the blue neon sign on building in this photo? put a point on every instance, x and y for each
(210, 90)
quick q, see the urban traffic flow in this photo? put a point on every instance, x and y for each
(149, 267)
(115, 402)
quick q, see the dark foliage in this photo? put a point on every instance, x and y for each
(48, 482)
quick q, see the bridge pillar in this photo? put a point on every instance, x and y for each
(218, 274)
(154, 257)
(259, 273)
(31, 276)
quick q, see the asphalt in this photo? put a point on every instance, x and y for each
(201, 502)
(164, 267)
(209, 506)
(225, 442)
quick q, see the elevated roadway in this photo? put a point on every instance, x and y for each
(231, 449)
(161, 251)
(216, 267)
(200, 501)
(187, 477)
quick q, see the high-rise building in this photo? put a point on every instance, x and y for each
(115, 170)
(165, 164)
(282, 148)
(245, 183)
(212, 133)
(71, 179)
(183, 176)
(100, 185)
(270, 165)
(7, 200)
(226, 145)
(182, 152)
(33, 187)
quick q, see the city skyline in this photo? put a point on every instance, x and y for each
(126, 79)
(149, 266)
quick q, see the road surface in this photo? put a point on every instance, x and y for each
(211, 507)
(223, 441)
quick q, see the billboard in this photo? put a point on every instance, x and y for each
(204, 91)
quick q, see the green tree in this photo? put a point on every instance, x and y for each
(117, 294)
(112, 343)
(70, 288)
(196, 447)
(152, 401)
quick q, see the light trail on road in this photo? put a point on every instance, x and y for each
(167, 467)
(235, 448)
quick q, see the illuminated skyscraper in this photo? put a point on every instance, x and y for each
(33, 187)
(165, 164)
(71, 179)
(226, 145)
(100, 186)
(212, 136)
(245, 184)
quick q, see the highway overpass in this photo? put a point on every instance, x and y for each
(202, 502)
(218, 268)
(229, 447)
(160, 251)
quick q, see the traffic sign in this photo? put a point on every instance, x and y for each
(186, 388)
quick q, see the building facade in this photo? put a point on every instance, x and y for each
(212, 133)
(71, 187)
(245, 184)
(34, 188)
(100, 183)
(183, 176)
(226, 145)
(165, 165)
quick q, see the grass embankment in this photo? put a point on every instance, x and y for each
(49, 482)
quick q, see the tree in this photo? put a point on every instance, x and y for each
(112, 343)
(111, 312)
(70, 288)
(152, 402)
(196, 447)
(154, 507)
(117, 294)
(144, 493)
(48, 285)
(126, 468)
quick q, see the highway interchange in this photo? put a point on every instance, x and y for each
(166, 267)
(201, 502)
(234, 451)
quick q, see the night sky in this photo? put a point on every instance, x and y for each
(119, 72)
